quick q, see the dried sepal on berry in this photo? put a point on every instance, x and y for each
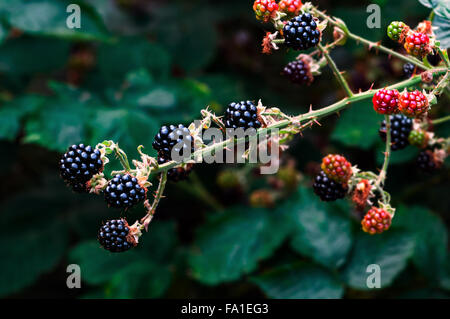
(361, 194)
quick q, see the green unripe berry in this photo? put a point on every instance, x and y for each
(417, 138)
(395, 30)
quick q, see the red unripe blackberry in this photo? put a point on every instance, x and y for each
(80, 163)
(124, 191)
(337, 168)
(327, 189)
(265, 9)
(385, 101)
(426, 161)
(413, 103)
(401, 126)
(376, 221)
(114, 236)
(299, 72)
(176, 138)
(301, 32)
(291, 7)
(417, 44)
(242, 115)
(178, 173)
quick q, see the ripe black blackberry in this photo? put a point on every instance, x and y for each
(301, 32)
(178, 173)
(408, 69)
(242, 115)
(299, 72)
(426, 161)
(113, 236)
(80, 163)
(327, 189)
(124, 191)
(169, 136)
(401, 126)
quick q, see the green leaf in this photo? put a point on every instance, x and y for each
(48, 18)
(30, 244)
(232, 243)
(127, 127)
(139, 280)
(299, 281)
(99, 265)
(390, 251)
(430, 233)
(443, 29)
(357, 126)
(320, 232)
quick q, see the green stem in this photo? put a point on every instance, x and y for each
(122, 158)
(371, 44)
(312, 115)
(387, 153)
(196, 188)
(336, 71)
(159, 193)
(441, 120)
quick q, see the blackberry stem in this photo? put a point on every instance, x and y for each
(158, 195)
(441, 120)
(122, 158)
(387, 154)
(371, 44)
(312, 115)
(336, 71)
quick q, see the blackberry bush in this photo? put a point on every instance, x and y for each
(401, 126)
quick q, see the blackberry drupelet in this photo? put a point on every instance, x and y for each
(426, 162)
(178, 173)
(113, 236)
(301, 32)
(124, 191)
(408, 70)
(242, 115)
(80, 163)
(298, 72)
(401, 126)
(169, 136)
(327, 189)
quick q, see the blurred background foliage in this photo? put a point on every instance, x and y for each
(135, 65)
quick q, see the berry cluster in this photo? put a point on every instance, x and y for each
(400, 129)
(417, 44)
(376, 221)
(299, 72)
(396, 30)
(413, 103)
(301, 32)
(114, 236)
(385, 101)
(242, 115)
(124, 191)
(337, 168)
(265, 9)
(291, 7)
(327, 189)
(78, 165)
